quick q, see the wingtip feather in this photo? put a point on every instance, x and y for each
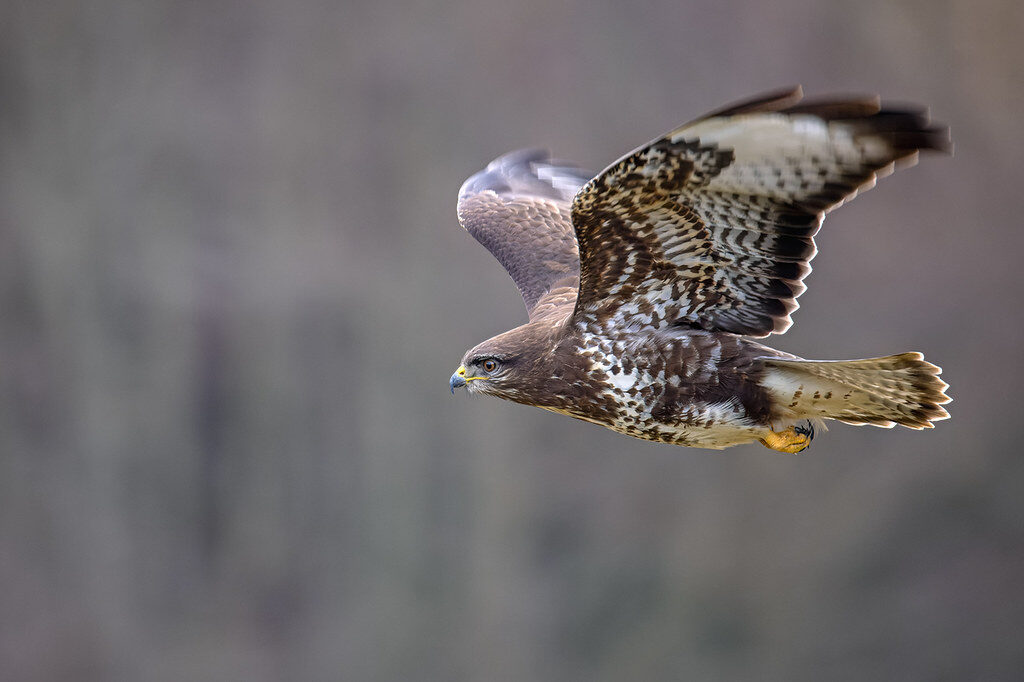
(774, 100)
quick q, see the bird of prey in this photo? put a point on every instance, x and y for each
(647, 284)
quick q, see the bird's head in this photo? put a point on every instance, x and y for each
(481, 373)
(486, 369)
(502, 366)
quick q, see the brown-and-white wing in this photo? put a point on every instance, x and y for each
(519, 209)
(712, 226)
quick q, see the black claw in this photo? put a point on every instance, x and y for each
(807, 430)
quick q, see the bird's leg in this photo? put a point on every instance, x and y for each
(793, 439)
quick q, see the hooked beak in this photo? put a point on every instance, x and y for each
(458, 379)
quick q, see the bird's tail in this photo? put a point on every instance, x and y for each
(898, 389)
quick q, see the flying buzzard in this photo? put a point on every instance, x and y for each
(647, 283)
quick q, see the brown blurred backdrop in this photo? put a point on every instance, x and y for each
(232, 289)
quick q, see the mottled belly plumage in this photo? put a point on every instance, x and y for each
(689, 388)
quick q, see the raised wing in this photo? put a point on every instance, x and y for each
(712, 226)
(519, 209)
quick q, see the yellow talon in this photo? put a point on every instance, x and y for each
(792, 440)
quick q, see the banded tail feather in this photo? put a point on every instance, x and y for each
(898, 389)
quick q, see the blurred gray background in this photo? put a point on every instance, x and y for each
(233, 288)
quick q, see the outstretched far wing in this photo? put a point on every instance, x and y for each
(712, 226)
(519, 209)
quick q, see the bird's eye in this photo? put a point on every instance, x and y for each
(489, 365)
